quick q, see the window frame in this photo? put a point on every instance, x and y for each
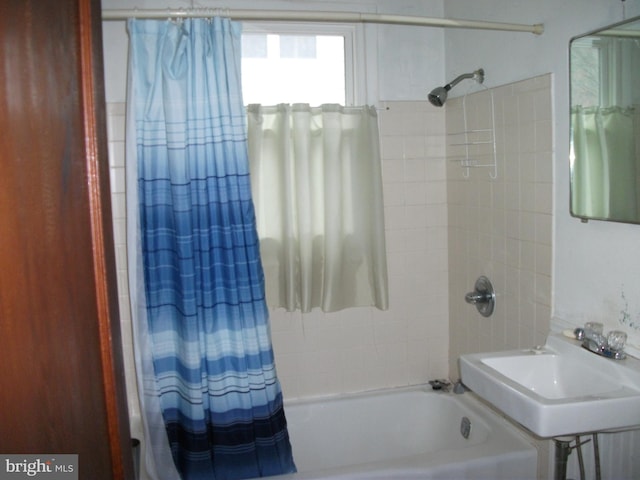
(354, 52)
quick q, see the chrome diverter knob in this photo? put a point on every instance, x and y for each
(483, 296)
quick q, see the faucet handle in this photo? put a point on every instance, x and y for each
(616, 340)
(579, 333)
(593, 328)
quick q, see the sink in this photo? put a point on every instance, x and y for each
(551, 375)
(557, 389)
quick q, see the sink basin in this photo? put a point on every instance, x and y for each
(557, 389)
(552, 376)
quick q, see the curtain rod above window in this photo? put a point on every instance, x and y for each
(314, 16)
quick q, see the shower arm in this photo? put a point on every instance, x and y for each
(438, 95)
(478, 75)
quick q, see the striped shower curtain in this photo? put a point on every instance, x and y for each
(211, 398)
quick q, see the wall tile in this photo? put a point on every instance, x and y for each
(387, 349)
(115, 124)
(506, 235)
(415, 170)
(117, 179)
(115, 134)
(365, 348)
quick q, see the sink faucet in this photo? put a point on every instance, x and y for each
(597, 343)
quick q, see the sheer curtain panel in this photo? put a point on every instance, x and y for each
(317, 186)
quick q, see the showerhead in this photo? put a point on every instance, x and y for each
(438, 95)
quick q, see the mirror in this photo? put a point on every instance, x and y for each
(605, 123)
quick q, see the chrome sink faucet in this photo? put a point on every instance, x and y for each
(593, 340)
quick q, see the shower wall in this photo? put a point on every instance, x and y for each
(365, 348)
(357, 349)
(442, 231)
(362, 348)
(115, 135)
(502, 227)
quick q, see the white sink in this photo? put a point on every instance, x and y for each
(558, 389)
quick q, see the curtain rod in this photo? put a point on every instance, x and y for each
(314, 16)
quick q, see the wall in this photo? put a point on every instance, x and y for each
(401, 62)
(366, 348)
(595, 264)
(501, 227)
(116, 135)
(359, 349)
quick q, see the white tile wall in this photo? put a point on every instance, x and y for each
(116, 136)
(443, 230)
(502, 228)
(364, 348)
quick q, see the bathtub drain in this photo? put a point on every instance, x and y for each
(465, 427)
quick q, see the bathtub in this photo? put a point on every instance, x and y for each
(409, 433)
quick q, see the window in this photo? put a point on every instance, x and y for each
(315, 168)
(285, 63)
(597, 65)
(304, 46)
(585, 73)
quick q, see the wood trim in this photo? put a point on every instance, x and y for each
(92, 93)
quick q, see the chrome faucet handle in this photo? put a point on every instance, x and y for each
(477, 297)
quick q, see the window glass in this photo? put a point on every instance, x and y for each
(294, 68)
(585, 74)
(298, 46)
(254, 45)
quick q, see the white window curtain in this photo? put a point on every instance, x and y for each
(317, 187)
(605, 177)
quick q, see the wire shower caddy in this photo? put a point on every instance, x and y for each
(476, 145)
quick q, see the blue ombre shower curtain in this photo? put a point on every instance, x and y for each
(208, 386)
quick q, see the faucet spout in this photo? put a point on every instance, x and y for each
(595, 344)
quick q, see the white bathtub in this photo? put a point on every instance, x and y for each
(411, 433)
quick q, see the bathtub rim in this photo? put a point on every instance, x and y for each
(516, 443)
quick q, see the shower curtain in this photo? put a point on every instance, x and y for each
(211, 400)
